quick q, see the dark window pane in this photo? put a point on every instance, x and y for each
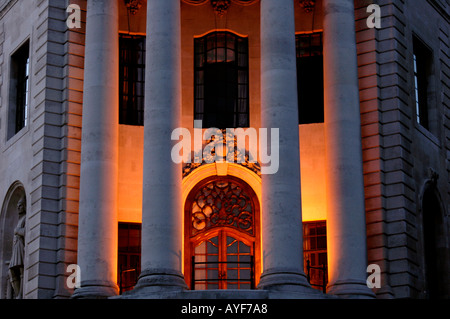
(310, 78)
(129, 258)
(322, 242)
(422, 65)
(20, 63)
(221, 84)
(132, 79)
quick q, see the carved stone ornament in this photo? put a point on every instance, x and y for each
(233, 155)
(133, 5)
(220, 6)
(433, 176)
(238, 2)
(307, 5)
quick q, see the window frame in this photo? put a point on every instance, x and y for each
(127, 253)
(19, 89)
(305, 115)
(316, 267)
(424, 87)
(131, 111)
(203, 45)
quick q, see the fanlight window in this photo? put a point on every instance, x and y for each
(222, 203)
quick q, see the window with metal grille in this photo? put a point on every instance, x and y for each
(310, 78)
(221, 80)
(223, 262)
(19, 88)
(315, 253)
(129, 259)
(131, 79)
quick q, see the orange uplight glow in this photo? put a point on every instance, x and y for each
(312, 157)
(131, 151)
(312, 165)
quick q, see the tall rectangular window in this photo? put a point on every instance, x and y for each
(315, 253)
(422, 59)
(221, 85)
(129, 261)
(310, 78)
(19, 87)
(131, 79)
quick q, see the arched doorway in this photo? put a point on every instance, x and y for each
(222, 245)
(434, 245)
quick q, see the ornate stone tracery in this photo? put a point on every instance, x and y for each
(222, 204)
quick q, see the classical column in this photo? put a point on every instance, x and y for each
(281, 200)
(162, 211)
(97, 223)
(346, 227)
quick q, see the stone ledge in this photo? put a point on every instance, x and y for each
(222, 294)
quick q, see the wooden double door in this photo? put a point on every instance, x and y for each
(224, 260)
(222, 235)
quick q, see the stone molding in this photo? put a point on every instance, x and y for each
(221, 6)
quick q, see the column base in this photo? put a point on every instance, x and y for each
(161, 279)
(351, 289)
(96, 289)
(284, 281)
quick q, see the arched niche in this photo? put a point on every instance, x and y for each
(8, 221)
(434, 241)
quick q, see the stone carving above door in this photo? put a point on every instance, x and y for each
(221, 6)
(133, 5)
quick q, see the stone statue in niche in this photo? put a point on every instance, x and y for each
(16, 264)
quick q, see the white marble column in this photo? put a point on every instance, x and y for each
(346, 227)
(162, 211)
(97, 223)
(282, 241)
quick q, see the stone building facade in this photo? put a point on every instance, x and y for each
(363, 178)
